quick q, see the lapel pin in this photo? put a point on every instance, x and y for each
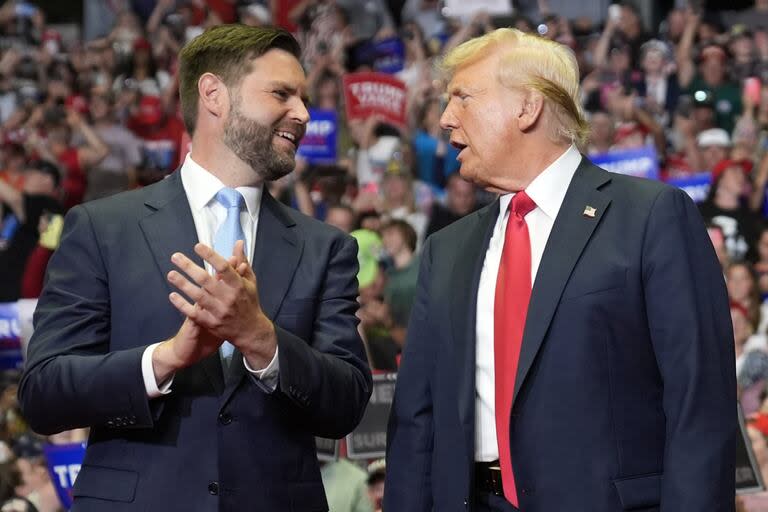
(590, 212)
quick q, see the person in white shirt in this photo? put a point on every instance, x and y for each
(569, 346)
(204, 332)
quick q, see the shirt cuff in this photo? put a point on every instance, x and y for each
(267, 376)
(150, 382)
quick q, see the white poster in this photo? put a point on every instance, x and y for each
(465, 9)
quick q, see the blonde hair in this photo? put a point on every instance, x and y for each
(533, 63)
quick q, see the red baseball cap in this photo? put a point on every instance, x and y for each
(150, 110)
(722, 165)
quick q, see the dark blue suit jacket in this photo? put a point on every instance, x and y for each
(625, 392)
(217, 442)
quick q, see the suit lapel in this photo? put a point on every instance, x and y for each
(169, 228)
(466, 271)
(570, 233)
(275, 257)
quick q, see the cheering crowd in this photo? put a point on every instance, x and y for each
(96, 114)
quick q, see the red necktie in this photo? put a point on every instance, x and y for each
(513, 292)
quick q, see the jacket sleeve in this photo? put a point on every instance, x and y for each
(327, 379)
(408, 485)
(71, 379)
(690, 327)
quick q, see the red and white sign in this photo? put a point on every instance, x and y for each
(367, 94)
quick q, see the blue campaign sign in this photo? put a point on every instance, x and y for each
(319, 143)
(389, 55)
(10, 337)
(696, 186)
(64, 461)
(384, 56)
(642, 162)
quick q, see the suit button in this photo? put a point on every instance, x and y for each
(527, 491)
(466, 502)
(225, 418)
(213, 488)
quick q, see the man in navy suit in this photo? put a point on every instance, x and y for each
(205, 374)
(570, 346)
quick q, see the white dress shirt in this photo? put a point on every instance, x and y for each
(548, 191)
(208, 214)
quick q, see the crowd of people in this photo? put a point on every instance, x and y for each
(91, 116)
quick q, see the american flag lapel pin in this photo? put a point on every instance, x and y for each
(590, 212)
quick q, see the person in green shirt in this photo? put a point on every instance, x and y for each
(346, 487)
(711, 80)
(399, 240)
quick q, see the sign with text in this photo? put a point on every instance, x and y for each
(642, 162)
(319, 143)
(369, 440)
(696, 186)
(368, 94)
(10, 337)
(327, 449)
(748, 477)
(385, 56)
(64, 461)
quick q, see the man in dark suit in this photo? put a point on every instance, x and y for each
(570, 346)
(208, 398)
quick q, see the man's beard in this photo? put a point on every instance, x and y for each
(252, 142)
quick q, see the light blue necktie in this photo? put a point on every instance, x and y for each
(224, 242)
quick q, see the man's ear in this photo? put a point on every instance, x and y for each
(531, 109)
(214, 95)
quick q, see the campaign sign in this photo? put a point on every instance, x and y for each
(64, 462)
(327, 449)
(748, 477)
(642, 162)
(369, 439)
(319, 143)
(367, 94)
(388, 55)
(384, 56)
(10, 337)
(696, 186)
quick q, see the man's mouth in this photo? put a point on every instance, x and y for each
(458, 145)
(290, 136)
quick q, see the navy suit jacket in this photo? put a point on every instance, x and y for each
(625, 391)
(218, 441)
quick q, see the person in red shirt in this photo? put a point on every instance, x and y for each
(162, 135)
(13, 158)
(58, 124)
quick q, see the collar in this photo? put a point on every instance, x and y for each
(201, 187)
(548, 188)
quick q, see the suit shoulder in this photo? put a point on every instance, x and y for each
(120, 203)
(639, 190)
(312, 228)
(454, 232)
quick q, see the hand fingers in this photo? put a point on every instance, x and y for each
(194, 292)
(194, 312)
(239, 252)
(224, 271)
(198, 274)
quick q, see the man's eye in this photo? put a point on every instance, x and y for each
(283, 95)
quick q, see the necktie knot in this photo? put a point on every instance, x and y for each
(522, 204)
(230, 198)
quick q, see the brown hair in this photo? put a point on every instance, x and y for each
(226, 51)
(406, 231)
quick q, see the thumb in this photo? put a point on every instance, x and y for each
(238, 252)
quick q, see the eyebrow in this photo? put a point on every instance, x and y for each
(457, 90)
